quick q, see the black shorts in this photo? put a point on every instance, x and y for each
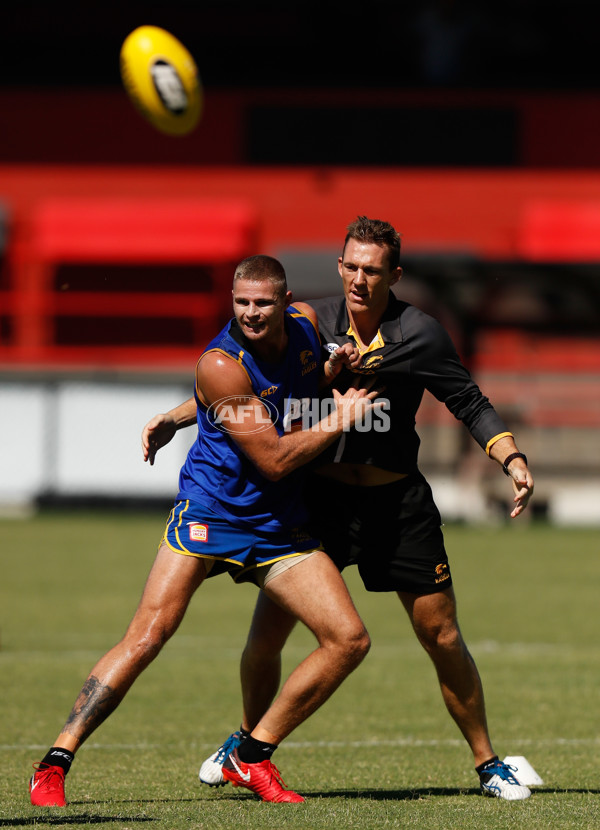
(392, 532)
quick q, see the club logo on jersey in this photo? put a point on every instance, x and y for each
(370, 364)
(198, 532)
(309, 363)
(244, 414)
(442, 573)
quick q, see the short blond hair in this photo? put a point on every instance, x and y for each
(262, 267)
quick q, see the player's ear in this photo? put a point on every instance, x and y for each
(396, 275)
(340, 263)
(288, 298)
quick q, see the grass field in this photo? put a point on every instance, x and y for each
(381, 753)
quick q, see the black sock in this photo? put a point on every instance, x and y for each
(59, 757)
(251, 751)
(481, 768)
(243, 733)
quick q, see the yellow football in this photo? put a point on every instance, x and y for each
(161, 78)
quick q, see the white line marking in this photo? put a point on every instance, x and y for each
(401, 742)
(382, 651)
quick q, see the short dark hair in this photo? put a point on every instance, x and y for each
(376, 232)
(262, 267)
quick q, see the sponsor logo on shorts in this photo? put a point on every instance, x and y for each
(299, 536)
(198, 532)
(442, 572)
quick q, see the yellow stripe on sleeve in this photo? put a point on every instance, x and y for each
(493, 440)
(298, 313)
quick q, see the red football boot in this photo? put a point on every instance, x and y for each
(264, 779)
(47, 786)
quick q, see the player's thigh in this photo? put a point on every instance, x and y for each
(430, 613)
(315, 593)
(171, 584)
(271, 624)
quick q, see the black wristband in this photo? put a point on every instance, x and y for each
(512, 457)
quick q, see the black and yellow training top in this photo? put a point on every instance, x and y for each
(411, 352)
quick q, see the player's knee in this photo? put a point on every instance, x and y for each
(441, 636)
(354, 644)
(259, 652)
(144, 643)
(362, 645)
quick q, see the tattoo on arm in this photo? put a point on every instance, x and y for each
(93, 705)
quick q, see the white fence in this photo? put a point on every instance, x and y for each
(66, 437)
(82, 438)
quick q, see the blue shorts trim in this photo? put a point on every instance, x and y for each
(195, 530)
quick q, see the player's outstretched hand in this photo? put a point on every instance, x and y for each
(157, 432)
(522, 482)
(357, 401)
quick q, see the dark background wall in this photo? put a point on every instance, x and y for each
(525, 44)
(386, 83)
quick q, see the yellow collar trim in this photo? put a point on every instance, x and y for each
(376, 342)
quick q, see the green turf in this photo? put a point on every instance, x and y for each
(382, 753)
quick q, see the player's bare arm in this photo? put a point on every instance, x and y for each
(520, 475)
(346, 355)
(162, 427)
(218, 376)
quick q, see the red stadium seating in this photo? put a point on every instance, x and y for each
(560, 231)
(78, 231)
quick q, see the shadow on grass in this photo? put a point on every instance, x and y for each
(61, 819)
(406, 795)
(427, 792)
(394, 795)
(367, 795)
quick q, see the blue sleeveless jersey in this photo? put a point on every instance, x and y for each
(216, 472)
